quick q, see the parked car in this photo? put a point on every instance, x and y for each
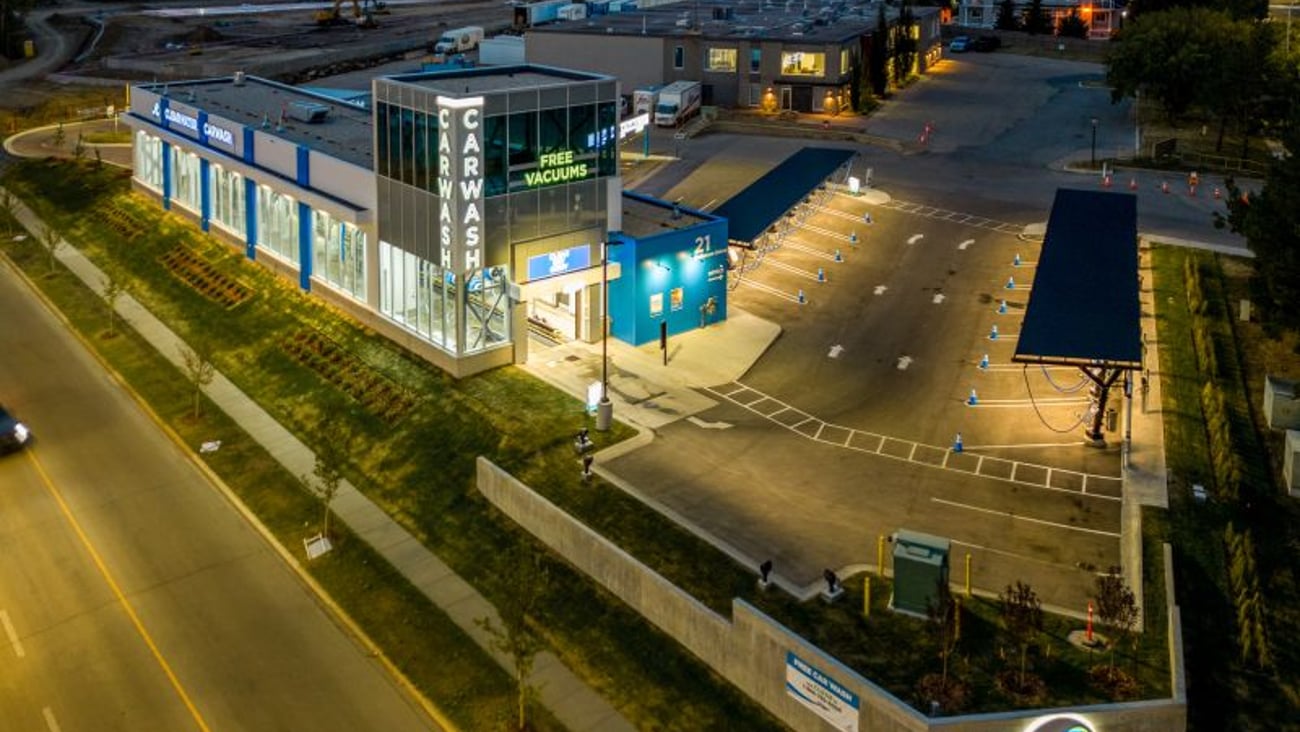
(13, 434)
(984, 44)
(960, 44)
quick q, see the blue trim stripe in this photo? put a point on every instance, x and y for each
(304, 166)
(248, 145)
(205, 193)
(167, 175)
(304, 246)
(250, 216)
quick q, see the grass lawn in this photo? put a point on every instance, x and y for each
(420, 467)
(1224, 691)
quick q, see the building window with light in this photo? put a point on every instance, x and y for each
(721, 59)
(339, 254)
(227, 189)
(277, 224)
(148, 161)
(803, 63)
(185, 179)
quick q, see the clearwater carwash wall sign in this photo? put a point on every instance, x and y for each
(820, 693)
(195, 123)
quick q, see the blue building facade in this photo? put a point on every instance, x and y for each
(674, 272)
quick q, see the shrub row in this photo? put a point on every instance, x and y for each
(378, 394)
(1246, 598)
(1203, 342)
(222, 289)
(1195, 293)
(1226, 462)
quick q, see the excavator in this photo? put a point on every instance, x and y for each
(363, 13)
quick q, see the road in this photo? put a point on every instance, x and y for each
(133, 595)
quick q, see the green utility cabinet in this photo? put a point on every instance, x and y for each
(920, 565)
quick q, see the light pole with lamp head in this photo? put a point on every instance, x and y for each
(1094, 142)
(605, 407)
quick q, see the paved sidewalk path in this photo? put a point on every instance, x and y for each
(569, 699)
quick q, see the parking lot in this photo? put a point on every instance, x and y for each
(846, 430)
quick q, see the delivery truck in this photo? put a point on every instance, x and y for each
(645, 98)
(678, 102)
(459, 40)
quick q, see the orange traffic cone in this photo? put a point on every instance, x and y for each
(1164, 187)
(1217, 193)
(1105, 181)
(1132, 184)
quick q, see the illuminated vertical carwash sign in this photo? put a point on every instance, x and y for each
(460, 183)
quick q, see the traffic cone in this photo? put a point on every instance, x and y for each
(838, 257)
(973, 400)
(1217, 193)
(1191, 190)
(993, 334)
(1164, 187)
(853, 237)
(1016, 262)
(1011, 283)
(956, 443)
(1105, 181)
(984, 362)
(1132, 184)
(821, 274)
(802, 300)
(1002, 308)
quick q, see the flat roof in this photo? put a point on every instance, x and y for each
(473, 81)
(767, 199)
(644, 216)
(769, 20)
(344, 134)
(1083, 309)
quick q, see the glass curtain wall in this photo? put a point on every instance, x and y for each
(339, 254)
(418, 294)
(277, 224)
(148, 161)
(185, 179)
(227, 189)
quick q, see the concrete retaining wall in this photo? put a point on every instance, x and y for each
(751, 649)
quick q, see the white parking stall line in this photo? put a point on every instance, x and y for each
(1041, 522)
(823, 232)
(770, 290)
(799, 246)
(799, 271)
(13, 635)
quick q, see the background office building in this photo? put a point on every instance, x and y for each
(463, 211)
(783, 55)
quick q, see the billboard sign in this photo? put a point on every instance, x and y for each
(561, 261)
(820, 693)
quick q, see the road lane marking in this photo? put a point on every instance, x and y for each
(1011, 515)
(708, 425)
(117, 592)
(50, 721)
(13, 636)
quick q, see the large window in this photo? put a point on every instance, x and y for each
(406, 145)
(721, 59)
(339, 254)
(803, 63)
(550, 146)
(418, 294)
(845, 60)
(755, 60)
(277, 223)
(185, 179)
(227, 189)
(148, 160)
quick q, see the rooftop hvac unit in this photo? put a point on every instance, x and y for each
(309, 112)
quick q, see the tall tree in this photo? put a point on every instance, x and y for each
(904, 44)
(1270, 221)
(878, 58)
(1037, 21)
(1008, 16)
(1166, 56)
(1072, 26)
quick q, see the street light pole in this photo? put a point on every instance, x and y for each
(1094, 142)
(605, 408)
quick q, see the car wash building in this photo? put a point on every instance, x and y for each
(462, 214)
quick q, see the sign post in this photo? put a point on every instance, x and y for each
(663, 339)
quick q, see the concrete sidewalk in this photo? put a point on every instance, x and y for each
(573, 702)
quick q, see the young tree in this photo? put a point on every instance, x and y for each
(60, 136)
(519, 634)
(1022, 621)
(944, 625)
(52, 241)
(199, 370)
(326, 477)
(1008, 16)
(1116, 607)
(79, 149)
(1037, 21)
(1072, 26)
(8, 207)
(113, 291)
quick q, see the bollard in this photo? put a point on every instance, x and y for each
(956, 443)
(993, 334)
(838, 257)
(984, 362)
(880, 556)
(866, 595)
(967, 574)
(1002, 308)
(1011, 283)
(973, 400)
